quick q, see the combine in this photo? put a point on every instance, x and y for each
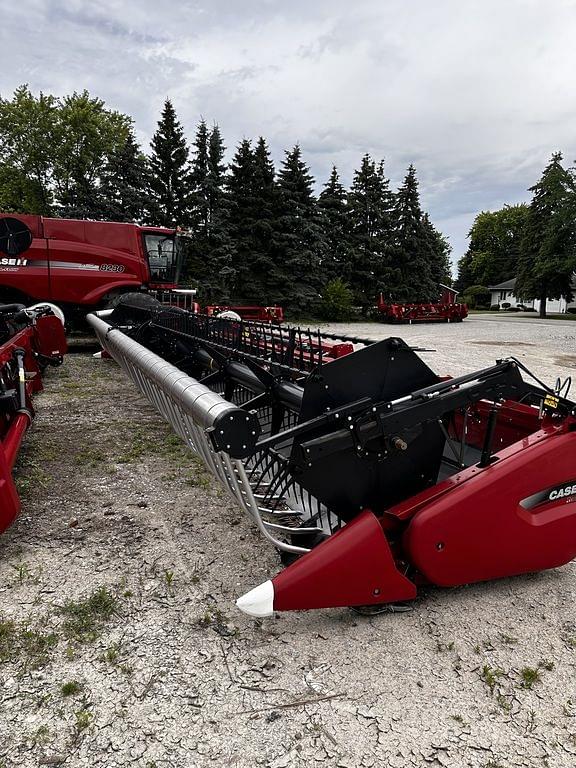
(371, 475)
(85, 265)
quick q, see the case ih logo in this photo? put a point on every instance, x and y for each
(7, 262)
(557, 493)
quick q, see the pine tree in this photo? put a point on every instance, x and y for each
(548, 249)
(198, 181)
(124, 184)
(241, 218)
(252, 205)
(169, 196)
(369, 207)
(219, 246)
(414, 249)
(439, 249)
(336, 230)
(265, 269)
(298, 241)
(210, 264)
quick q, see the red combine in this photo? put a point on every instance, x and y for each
(447, 310)
(84, 265)
(376, 474)
(30, 340)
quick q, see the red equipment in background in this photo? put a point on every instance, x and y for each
(447, 310)
(30, 340)
(88, 264)
(255, 313)
(78, 263)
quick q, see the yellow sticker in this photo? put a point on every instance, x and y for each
(551, 402)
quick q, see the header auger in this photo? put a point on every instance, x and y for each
(368, 472)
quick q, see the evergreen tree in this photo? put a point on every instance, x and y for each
(211, 263)
(242, 215)
(465, 276)
(413, 247)
(124, 184)
(298, 240)
(198, 180)
(266, 270)
(439, 250)
(169, 196)
(369, 208)
(219, 247)
(336, 230)
(252, 201)
(548, 250)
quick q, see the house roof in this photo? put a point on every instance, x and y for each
(507, 285)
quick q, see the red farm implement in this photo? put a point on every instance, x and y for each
(30, 339)
(256, 313)
(447, 310)
(372, 475)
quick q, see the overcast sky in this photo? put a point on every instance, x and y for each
(476, 93)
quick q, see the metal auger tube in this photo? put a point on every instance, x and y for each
(177, 395)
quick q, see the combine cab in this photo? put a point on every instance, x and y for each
(370, 473)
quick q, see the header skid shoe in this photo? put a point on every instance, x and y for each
(355, 458)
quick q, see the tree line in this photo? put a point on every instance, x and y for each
(534, 243)
(258, 234)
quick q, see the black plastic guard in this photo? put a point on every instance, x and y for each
(347, 478)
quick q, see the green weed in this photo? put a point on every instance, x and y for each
(85, 618)
(529, 676)
(71, 688)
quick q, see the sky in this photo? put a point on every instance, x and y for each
(477, 94)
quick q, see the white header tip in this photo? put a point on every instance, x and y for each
(259, 601)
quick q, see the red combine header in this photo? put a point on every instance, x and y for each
(30, 340)
(370, 473)
(447, 310)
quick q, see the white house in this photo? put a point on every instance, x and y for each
(503, 293)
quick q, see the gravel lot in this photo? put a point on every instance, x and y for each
(120, 643)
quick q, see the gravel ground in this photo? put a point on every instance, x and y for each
(120, 643)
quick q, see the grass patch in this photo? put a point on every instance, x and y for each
(29, 476)
(85, 618)
(83, 720)
(19, 643)
(71, 688)
(529, 676)
(90, 457)
(490, 675)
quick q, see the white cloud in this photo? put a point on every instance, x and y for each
(477, 93)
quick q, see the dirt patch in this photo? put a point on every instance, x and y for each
(493, 343)
(120, 644)
(566, 361)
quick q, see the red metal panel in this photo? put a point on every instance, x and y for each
(353, 567)
(81, 273)
(480, 531)
(28, 273)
